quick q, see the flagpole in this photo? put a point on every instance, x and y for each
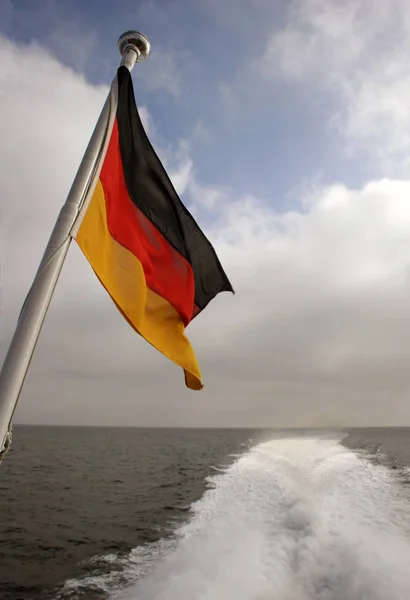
(134, 47)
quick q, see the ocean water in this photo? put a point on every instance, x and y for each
(124, 514)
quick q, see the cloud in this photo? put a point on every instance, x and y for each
(60, 26)
(319, 329)
(331, 31)
(317, 333)
(50, 115)
(359, 53)
(164, 72)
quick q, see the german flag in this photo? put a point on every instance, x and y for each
(143, 244)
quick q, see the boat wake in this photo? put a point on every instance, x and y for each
(292, 519)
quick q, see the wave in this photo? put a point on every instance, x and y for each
(297, 518)
(293, 519)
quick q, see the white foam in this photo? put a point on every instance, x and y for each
(292, 519)
(123, 571)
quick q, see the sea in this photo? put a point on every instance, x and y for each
(205, 514)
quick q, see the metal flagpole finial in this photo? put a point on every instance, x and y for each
(135, 43)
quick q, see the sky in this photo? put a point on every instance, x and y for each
(285, 128)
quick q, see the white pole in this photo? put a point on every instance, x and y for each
(134, 47)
